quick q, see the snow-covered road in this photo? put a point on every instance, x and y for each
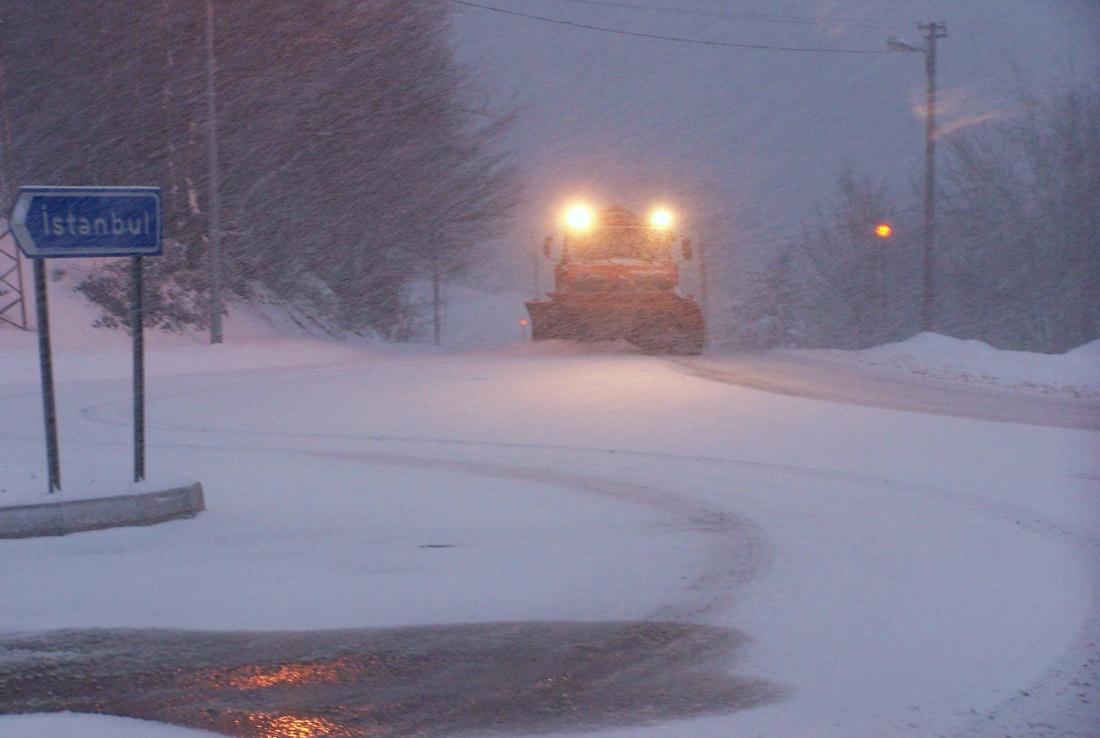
(894, 572)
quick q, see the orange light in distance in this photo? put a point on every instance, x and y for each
(579, 217)
(883, 230)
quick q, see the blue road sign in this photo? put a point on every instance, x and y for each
(51, 222)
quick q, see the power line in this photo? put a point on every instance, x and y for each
(659, 37)
(759, 17)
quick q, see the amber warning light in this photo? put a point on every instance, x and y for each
(883, 230)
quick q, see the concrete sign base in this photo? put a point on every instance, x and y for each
(60, 518)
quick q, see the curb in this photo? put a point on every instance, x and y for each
(61, 518)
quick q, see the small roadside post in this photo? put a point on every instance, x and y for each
(69, 222)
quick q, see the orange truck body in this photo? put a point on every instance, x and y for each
(620, 281)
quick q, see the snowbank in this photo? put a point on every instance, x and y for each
(1075, 373)
(472, 318)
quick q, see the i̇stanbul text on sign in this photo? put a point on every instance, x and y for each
(87, 221)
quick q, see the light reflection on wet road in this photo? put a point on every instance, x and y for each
(424, 681)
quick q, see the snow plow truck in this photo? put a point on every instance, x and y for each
(616, 277)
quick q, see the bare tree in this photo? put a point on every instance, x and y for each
(1020, 248)
(1018, 257)
(839, 285)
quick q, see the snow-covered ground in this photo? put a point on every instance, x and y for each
(896, 573)
(91, 726)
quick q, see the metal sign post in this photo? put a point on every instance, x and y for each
(45, 363)
(65, 222)
(137, 330)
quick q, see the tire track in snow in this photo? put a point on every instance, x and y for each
(736, 549)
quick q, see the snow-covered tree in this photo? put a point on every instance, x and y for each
(353, 155)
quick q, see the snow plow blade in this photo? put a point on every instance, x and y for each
(656, 322)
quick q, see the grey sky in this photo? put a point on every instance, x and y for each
(749, 140)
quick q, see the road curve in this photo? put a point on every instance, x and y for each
(799, 376)
(797, 508)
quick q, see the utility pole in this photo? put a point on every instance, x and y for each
(437, 316)
(213, 256)
(704, 301)
(933, 31)
(536, 257)
(437, 285)
(882, 232)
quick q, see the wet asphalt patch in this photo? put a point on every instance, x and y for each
(419, 681)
